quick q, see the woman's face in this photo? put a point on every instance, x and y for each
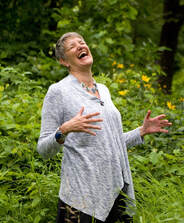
(77, 53)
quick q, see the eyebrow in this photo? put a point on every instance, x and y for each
(72, 43)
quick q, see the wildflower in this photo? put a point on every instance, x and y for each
(145, 78)
(121, 66)
(170, 106)
(132, 65)
(147, 85)
(121, 81)
(1, 88)
(165, 86)
(123, 92)
(181, 99)
(138, 86)
(114, 63)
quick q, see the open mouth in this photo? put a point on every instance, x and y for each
(82, 55)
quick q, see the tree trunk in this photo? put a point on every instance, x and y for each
(174, 17)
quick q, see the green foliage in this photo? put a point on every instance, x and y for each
(29, 185)
(25, 182)
(112, 37)
(108, 26)
(123, 38)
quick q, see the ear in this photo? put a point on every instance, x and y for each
(63, 62)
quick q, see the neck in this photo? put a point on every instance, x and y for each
(83, 76)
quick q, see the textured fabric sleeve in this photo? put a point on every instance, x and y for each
(51, 119)
(133, 138)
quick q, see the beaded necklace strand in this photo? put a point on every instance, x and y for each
(88, 89)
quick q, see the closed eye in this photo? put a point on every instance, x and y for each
(82, 43)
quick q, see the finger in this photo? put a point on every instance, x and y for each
(81, 111)
(94, 120)
(167, 124)
(164, 121)
(161, 116)
(148, 114)
(91, 115)
(90, 132)
(93, 126)
(164, 130)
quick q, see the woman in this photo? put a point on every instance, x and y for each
(78, 113)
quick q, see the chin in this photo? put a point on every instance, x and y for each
(88, 62)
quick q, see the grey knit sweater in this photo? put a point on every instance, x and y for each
(94, 168)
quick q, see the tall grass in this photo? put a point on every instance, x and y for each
(159, 201)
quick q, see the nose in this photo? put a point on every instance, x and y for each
(79, 47)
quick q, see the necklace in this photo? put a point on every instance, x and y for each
(93, 89)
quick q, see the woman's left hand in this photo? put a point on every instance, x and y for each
(153, 125)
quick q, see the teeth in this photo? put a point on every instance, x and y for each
(82, 53)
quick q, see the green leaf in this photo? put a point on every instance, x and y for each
(109, 40)
(114, 86)
(112, 2)
(154, 157)
(37, 219)
(35, 202)
(132, 12)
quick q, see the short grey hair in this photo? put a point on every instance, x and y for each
(60, 45)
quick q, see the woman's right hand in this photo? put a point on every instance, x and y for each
(81, 123)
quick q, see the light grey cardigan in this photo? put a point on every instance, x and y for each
(94, 168)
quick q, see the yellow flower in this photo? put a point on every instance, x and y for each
(121, 66)
(132, 65)
(121, 81)
(1, 88)
(138, 86)
(170, 106)
(181, 99)
(145, 78)
(147, 85)
(165, 86)
(123, 92)
(114, 63)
